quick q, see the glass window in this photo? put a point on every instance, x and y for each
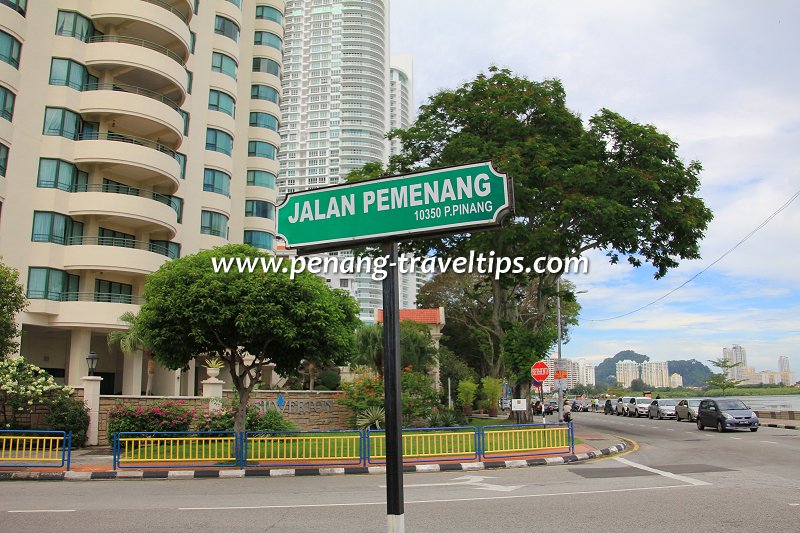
(212, 223)
(264, 92)
(217, 181)
(263, 120)
(7, 99)
(181, 158)
(71, 74)
(267, 38)
(219, 141)
(62, 122)
(9, 49)
(112, 291)
(259, 208)
(237, 3)
(192, 40)
(110, 237)
(116, 187)
(59, 174)
(185, 116)
(167, 248)
(269, 13)
(18, 5)
(223, 63)
(259, 239)
(261, 178)
(263, 64)
(227, 27)
(221, 101)
(3, 159)
(189, 80)
(52, 284)
(261, 149)
(56, 228)
(72, 24)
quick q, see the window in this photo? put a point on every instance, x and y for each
(110, 237)
(9, 49)
(214, 224)
(264, 92)
(71, 74)
(116, 187)
(259, 239)
(217, 181)
(237, 3)
(59, 174)
(55, 228)
(227, 27)
(72, 24)
(186, 117)
(261, 149)
(52, 284)
(18, 5)
(263, 120)
(224, 64)
(62, 122)
(261, 178)
(112, 291)
(269, 13)
(181, 158)
(221, 101)
(167, 248)
(344, 283)
(219, 141)
(192, 40)
(7, 99)
(189, 80)
(267, 38)
(3, 159)
(262, 64)
(259, 208)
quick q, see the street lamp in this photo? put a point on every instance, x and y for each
(91, 362)
(558, 365)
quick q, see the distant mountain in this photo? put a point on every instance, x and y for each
(693, 371)
(609, 365)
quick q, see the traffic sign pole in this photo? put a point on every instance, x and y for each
(393, 405)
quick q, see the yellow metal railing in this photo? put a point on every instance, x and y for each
(219, 448)
(342, 447)
(422, 444)
(522, 440)
(31, 448)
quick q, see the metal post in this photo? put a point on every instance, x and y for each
(393, 405)
(558, 365)
(449, 397)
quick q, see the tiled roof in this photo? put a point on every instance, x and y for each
(423, 316)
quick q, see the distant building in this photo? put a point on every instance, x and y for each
(736, 354)
(786, 372)
(676, 380)
(586, 374)
(750, 376)
(627, 371)
(655, 373)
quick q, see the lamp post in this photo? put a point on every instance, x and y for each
(558, 364)
(91, 362)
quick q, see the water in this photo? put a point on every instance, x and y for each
(772, 403)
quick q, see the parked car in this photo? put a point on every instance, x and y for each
(505, 403)
(551, 407)
(621, 408)
(687, 409)
(608, 407)
(638, 406)
(662, 408)
(726, 413)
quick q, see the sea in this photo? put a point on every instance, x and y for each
(790, 402)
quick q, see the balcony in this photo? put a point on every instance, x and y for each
(151, 20)
(114, 254)
(134, 212)
(87, 309)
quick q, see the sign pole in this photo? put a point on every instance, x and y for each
(393, 404)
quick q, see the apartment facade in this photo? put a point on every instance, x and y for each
(132, 132)
(627, 371)
(735, 354)
(655, 373)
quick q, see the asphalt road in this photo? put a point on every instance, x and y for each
(680, 479)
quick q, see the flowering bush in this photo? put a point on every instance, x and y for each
(164, 416)
(366, 392)
(23, 386)
(269, 420)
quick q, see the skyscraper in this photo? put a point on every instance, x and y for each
(785, 371)
(627, 371)
(401, 96)
(126, 140)
(736, 354)
(655, 373)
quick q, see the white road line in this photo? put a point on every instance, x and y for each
(736, 438)
(794, 504)
(670, 429)
(44, 511)
(677, 477)
(768, 441)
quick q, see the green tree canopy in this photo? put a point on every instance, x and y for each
(190, 310)
(721, 379)
(417, 350)
(12, 301)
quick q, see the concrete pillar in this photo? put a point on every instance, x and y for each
(212, 388)
(79, 348)
(176, 383)
(91, 397)
(132, 374)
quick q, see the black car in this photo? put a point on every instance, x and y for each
(726, 413)
(608, 408)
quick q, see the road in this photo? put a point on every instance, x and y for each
(680, 479)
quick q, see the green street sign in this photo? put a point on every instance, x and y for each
(424, 204)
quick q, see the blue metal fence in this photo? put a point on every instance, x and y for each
(35, 448)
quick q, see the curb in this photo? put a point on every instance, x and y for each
(294, 472)
(780, 426)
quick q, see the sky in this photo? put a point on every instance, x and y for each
(723, 80)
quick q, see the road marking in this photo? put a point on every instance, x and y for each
(449, 500)
(677, 477)
(768, 442)
(44, 511)
(794, 504)
(670, 429)
(471, 481)
(736, 438)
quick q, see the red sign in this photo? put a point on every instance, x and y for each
(560, 374)
(539, 372)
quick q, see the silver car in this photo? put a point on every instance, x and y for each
(687, 409)
(662, 408)
(638, 406)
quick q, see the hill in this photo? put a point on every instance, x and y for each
(609, 365)
(693, 371)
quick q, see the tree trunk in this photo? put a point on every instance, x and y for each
(151, 370)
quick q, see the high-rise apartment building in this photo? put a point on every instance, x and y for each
(676, 380)
(401, 95)
(736, 354)
(133, 132)
(655, 373)
(785, 371)
(627, 371)
(586, 374)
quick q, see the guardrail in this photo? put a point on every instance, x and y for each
(339, 447)
(35, 448)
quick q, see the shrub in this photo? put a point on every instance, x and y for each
(492, 389)
(446, 418)
(69, 414)
(419, 396)
(165, 416)
(330, 379)
(371, 418)
(269, 420)
(23, 386)
(466, 392)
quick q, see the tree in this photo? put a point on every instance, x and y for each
(637, 385)
(12, 301)
(191, 310)
(721, 379)
(416, 346)
(130, 340)
(22, 387)
(611, 185)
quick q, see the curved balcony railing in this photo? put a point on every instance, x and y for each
(159, 3)
(137, 42)
(61, 296)
(122, 242)
(128, 190)
(120, 137)
(121, 87)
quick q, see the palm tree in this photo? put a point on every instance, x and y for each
(130, 341)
